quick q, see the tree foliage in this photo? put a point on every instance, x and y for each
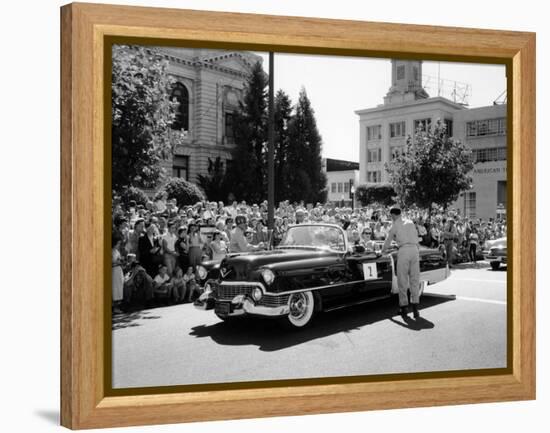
(434, 169)
(214, 184)
(247, 172)
(306, 179)
(183, 191)
(135, 194)
(142, 113)
(282, 164)
(380, 193)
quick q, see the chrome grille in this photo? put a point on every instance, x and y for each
(274, 301)
(228, 292)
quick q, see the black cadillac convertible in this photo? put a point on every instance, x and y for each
(313, 269)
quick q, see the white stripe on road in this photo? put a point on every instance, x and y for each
(464, 298)
(480, 281)
(489, 301)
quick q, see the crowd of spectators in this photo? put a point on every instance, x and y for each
(156, 247)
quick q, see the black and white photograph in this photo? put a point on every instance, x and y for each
(281, 216)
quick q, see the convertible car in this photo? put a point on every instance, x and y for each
(496, 252)
(313, 269)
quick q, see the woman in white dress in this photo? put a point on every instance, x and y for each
(117, 275)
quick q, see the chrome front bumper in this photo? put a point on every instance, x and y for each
(240, 305)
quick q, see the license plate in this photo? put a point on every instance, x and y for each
(223, 308)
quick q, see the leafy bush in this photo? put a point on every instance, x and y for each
(382, 193)
(133, 193)
(183, 191)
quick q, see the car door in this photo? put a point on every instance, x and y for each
(371, 275)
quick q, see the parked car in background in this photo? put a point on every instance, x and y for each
(313, 269)
(495, 252)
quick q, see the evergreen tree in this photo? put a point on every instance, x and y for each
(434, 169)
(306, 179)
(142, 113)
(282, 115)
(214, 184)
(247, 175)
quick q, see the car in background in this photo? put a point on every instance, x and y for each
(495, 252)
(313, 269)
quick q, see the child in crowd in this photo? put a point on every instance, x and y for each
(180, 287)
(162, 284)
(191, 284)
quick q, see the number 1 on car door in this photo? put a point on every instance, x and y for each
(369, 271)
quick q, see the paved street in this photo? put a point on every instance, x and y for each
(463, 326)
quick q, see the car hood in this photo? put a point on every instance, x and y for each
(239, 267)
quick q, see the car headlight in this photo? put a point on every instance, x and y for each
(268, 276)
(257, 294)
(201, 272)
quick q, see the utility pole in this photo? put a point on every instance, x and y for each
(270, 150)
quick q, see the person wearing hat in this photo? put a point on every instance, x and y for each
(238, 242)
(404, 233)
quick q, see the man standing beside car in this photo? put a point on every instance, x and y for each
(404, 233)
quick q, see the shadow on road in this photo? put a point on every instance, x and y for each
(268, 335)
(128, 320)
(415, 325)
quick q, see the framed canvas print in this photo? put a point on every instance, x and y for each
(265, 215)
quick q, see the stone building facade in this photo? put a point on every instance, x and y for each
(209, 86)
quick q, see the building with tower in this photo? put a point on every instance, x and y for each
(407, 107)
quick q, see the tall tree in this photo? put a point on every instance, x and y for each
(283, 115)
(434, 169)
(247, 174)
(307, 180)
(142, 113)
(214, 184)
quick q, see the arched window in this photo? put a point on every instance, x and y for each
(181, 94)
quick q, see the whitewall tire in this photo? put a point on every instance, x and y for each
(302, 309)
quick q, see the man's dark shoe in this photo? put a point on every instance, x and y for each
(403, 312)
(416, 314)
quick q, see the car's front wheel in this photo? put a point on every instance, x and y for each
(495, 265)
(302, 308)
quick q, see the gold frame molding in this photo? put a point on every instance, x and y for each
(85, 29)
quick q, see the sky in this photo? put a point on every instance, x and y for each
(338, 86)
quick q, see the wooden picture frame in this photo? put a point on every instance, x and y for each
(84, 224)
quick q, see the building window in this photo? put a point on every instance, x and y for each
(401, 72)
(374, 132)
(470, 204)
(415, 74)
(423, 125)
(180, 94)
(333, 187)
(482, 128)
(229, 129)
(449, 127)
(489, 154)
(374, 155)
(397, 129)
(180, 167)
(374, 176)
(346, 187)
(340, 186)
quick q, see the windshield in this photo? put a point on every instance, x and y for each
(314, 237)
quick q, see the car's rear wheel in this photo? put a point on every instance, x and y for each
(495, 265)
(302, 309)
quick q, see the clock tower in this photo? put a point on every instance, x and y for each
(406, 82)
